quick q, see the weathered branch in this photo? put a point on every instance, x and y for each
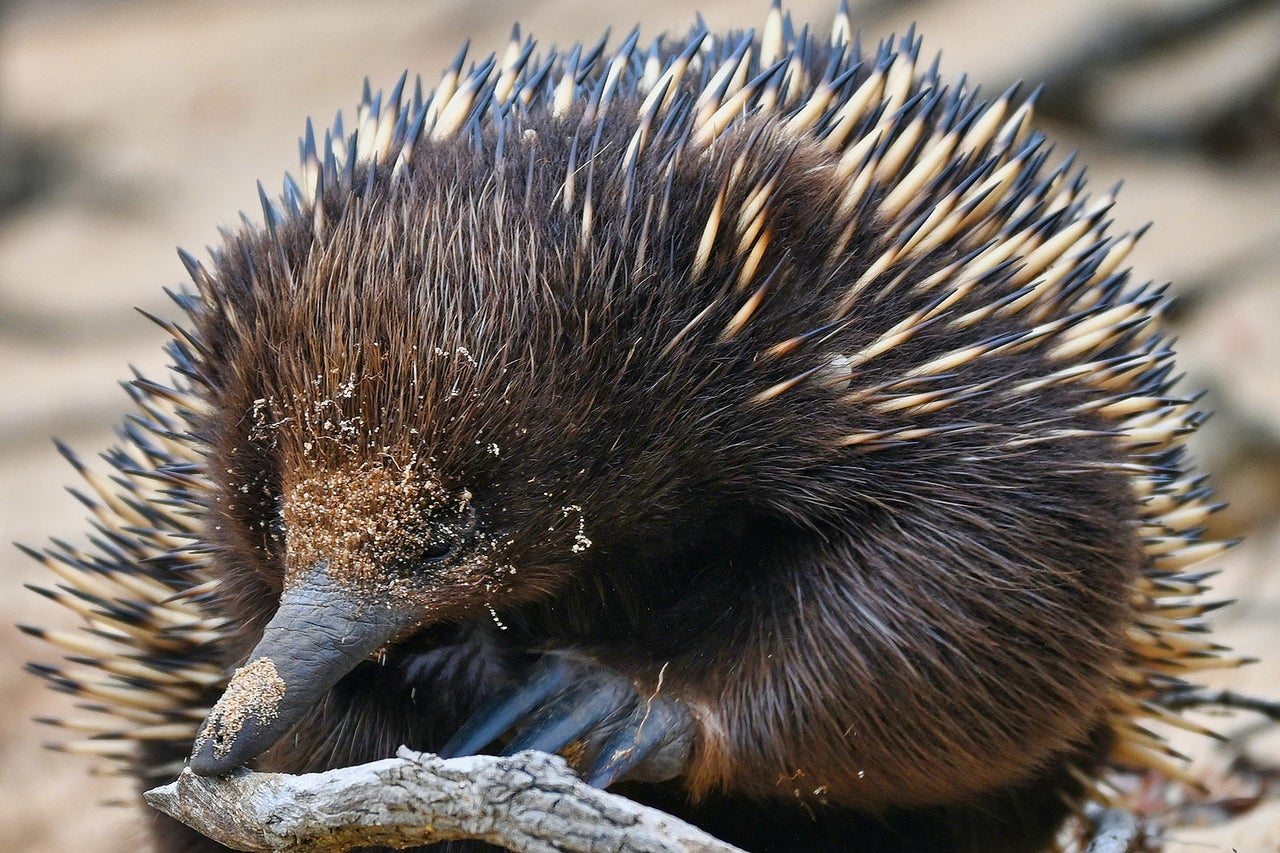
(527, 802)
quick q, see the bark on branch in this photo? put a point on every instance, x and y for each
(527, 802)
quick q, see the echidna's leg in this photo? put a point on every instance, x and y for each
(590, 710)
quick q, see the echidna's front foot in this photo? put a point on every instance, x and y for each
(610, 728)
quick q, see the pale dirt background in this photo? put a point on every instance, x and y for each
(127, 128)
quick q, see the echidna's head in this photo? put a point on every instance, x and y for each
(386, 449)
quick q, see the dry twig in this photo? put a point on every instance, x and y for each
(527, 802)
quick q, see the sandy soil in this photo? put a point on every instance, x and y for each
(132, 127)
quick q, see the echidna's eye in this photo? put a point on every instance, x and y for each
(451, 536)
(438, 552)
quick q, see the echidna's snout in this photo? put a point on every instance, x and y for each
(320, 632)
(370, 551)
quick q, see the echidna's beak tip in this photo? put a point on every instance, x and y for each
(320, 632)
(203, 762)
(210, 759)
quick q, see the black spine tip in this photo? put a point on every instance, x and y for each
(33, 631)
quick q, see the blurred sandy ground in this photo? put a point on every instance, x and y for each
(127, 128)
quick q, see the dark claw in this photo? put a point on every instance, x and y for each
(510, 706)
(573, 713)
(559, 702)
(656, 739)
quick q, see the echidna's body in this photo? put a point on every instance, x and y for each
(770, 392)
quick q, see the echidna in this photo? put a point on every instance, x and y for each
(765, 423)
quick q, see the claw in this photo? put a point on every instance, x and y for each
(571, 715)
(560, 701)
(656, 740)
(506, 709)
